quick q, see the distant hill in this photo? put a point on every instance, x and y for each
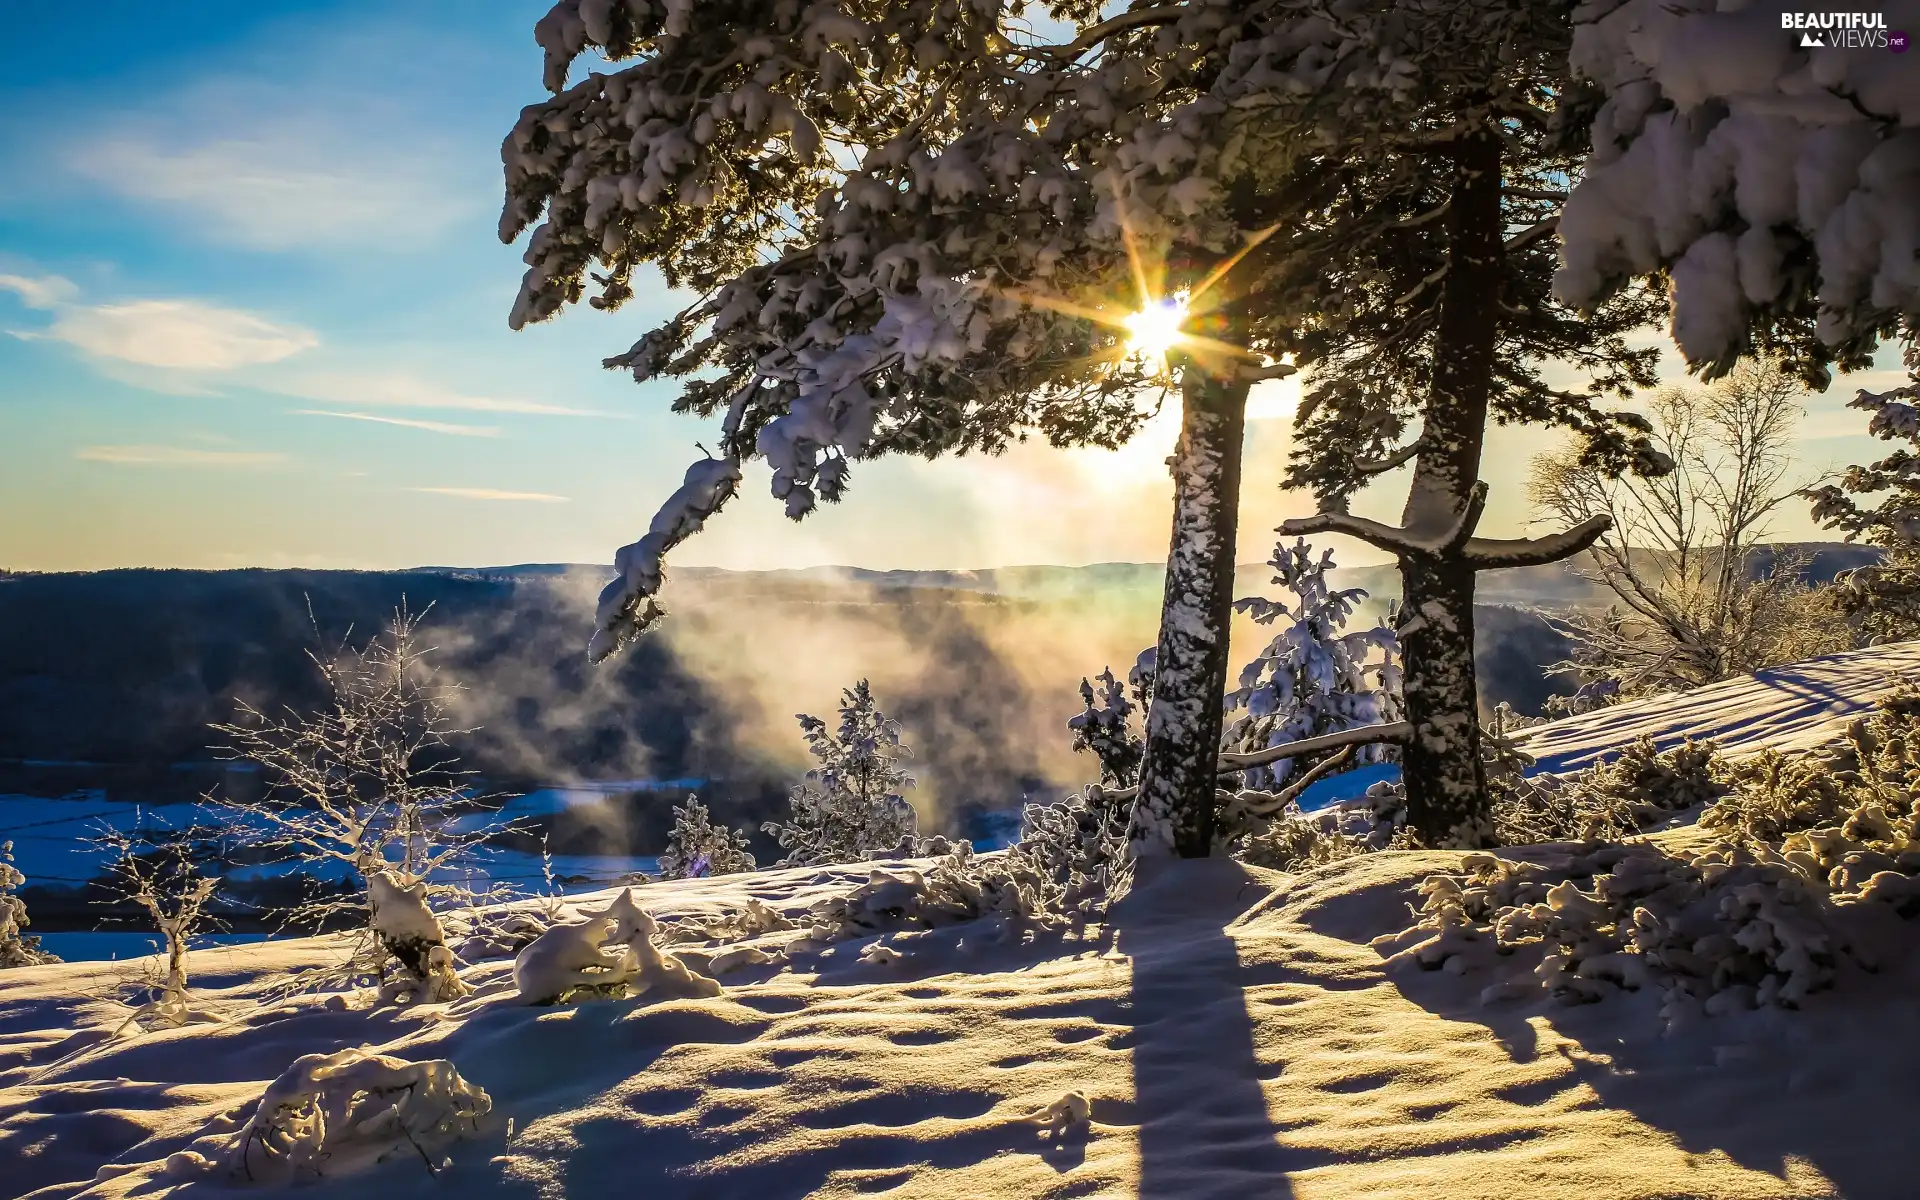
(109, 679)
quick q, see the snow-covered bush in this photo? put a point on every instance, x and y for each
(1079, 842)
(1108, 729)
(610, 954)
(954, 890)
(697, 847)
(1714, 930)
(408, 931)
(1609, 801)
(17, 949)
(851, 803)
(1312, 678)
(1301, 843)
(1809, 846)
(333, 1114)
(1873, 768)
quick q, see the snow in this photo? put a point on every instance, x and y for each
(1223, 1031)
(1788, 708)
(1725, 150)
(1229, 1033)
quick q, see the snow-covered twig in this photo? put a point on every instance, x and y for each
(1392, 731)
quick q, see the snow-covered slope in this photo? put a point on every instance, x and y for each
(1233, 1029)
(1786, 708)
(1238, 1034)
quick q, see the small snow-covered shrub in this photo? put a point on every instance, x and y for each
(1715, 931)
(1873, 766)
(17, 949)
(957, 889)
(697, 847)
(611, 954)
(333, 1114)
(851, 803)
(1300, 844)
(1312, 678)
(1609, 801)
(408, 931)
(159, 872)
(1079, 843)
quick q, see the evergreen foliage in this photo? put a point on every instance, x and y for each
(852, 802)
(697, 847)
(1313, 677)
(17, 949)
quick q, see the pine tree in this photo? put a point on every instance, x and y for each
(918, 228)
(1312, 678)
(17, 949)
(1879, 503)
(851, 803)
(1106, 727)
(698, 848)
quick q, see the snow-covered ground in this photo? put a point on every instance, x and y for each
(1790, 708)
(1238, 1033)
(1235, 1032)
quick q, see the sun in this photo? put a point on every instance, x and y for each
(1155, 330)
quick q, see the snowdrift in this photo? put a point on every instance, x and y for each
(1232, 1031)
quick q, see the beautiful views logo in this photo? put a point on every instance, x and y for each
(1847, 30)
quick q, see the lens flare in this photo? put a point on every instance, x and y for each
(1155, 330)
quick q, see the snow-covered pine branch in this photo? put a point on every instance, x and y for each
(1775, 182)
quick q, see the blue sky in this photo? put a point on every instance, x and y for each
(253, 312)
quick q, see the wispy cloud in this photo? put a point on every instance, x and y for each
(178, 456)
(184, 335)
(287, 155)
(46, 291)
(399, 390)
(448, 427)
(469, 493)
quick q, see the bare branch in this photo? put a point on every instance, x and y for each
(1399, 458)
(1489, 553)
(1394, 538)
(1271, 371)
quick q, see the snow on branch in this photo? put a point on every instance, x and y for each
(1365, 735)
(1395, 538)
(627, 606)
(1767, 179)
(1489, 553)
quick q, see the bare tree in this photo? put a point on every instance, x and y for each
(1681, 555)
(365, 785)
(159, 872)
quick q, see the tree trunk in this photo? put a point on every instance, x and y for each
(1445, 781)
(1179, 769)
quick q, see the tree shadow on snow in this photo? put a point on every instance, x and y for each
(1204, 1126)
